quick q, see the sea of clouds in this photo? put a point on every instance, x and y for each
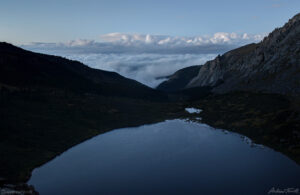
(145, 58)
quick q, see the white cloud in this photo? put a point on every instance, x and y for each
(138, 43)
(217, 38)
(146, 57)
(79, 43)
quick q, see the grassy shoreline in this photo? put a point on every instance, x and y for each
(31, 121)
(269, 119)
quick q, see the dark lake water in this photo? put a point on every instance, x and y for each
(172, 157)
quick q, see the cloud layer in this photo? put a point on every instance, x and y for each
(145, 57)
(145, 68)
(157, 44)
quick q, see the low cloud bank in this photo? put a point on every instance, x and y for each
(145, 68)
(145, 57)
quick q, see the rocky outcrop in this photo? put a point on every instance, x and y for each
(273, 65)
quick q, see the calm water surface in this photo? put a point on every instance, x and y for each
(172, 157)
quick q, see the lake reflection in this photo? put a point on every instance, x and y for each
(172, 157)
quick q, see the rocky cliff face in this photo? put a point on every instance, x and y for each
(273, 65)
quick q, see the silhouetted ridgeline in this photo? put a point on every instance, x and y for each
(33, 71)
(179, 79)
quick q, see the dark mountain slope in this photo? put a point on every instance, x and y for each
(28, 70)
(179, 79)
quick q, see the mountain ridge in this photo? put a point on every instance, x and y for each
(28, 70)
(271, 66)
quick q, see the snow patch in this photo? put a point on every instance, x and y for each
(193, 110)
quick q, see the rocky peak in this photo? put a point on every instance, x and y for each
(273, 65)
(279, 34)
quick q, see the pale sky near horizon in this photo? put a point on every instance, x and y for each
(28, 21)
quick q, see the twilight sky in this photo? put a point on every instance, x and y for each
(24, 21)
(140, 39)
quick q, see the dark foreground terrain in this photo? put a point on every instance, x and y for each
(35, 127)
